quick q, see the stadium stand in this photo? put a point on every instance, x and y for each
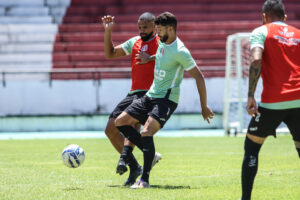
(27, 33)
(203, 26)
(30, 36)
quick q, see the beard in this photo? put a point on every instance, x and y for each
(146, 37)
(164, 38)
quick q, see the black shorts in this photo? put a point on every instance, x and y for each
(267, 120)
(125, 103)
(159, 108)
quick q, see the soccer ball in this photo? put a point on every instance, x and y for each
(73, 156)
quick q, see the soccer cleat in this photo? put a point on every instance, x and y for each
(140, 184)
(133, 176)
(157, 157)
(121, 167)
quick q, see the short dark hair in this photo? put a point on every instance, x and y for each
(274, 8)
(147, 16)
(166, 19)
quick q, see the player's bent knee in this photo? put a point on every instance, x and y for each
(120, 120)
(256, 139)
(110, 127)
(125, 120)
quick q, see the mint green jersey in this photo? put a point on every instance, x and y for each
(170, 62)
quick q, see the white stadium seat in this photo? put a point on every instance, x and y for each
(2, 11)
(27, 28)
(27, 34)
(53, 3)
(28, 38)
(31, 66)
(26, 20)
(25, 48)
(27, 11)
(25, 58)
(58, 11)
(7, 3)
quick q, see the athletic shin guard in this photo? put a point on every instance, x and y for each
(132, 135)
(129, 158)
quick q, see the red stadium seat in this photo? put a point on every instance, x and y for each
(203, 25)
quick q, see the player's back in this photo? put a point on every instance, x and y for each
(281, 63)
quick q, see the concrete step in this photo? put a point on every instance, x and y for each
(10, 66)
(58, 11)
(26, 20)
(53, 3)
(26, 48)
(25, 58)
(29, 38)
(27, 11)
(13, 29)
(9, 3)
(2, 11)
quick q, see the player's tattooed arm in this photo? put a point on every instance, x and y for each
(254, 70)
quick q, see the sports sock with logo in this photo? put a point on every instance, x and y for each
(149, 152)
(128, 157)
(249, 167)
(132, 135)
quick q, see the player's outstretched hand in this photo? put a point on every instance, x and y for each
(251, 106)
(143, 57)
(207, 113)
(108, 21)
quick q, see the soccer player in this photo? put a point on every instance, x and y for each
(275, 50)
(155, 108)
(141, 48)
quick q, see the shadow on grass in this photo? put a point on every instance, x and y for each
(166, 187)
(72, 188)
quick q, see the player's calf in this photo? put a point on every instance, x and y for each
(249, 167)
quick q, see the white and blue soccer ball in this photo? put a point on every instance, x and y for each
(73, 156)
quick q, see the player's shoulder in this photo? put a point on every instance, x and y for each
(294, 28)
(259, 29)
(181, 48)
(134, 38)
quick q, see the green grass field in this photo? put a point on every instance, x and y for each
(205, 168)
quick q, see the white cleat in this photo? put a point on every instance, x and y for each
(140, 184)
(157, 157)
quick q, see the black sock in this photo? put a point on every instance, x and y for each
(149, 152)
(249, 167)
(132, 135)
(298, 150)
(128, 157)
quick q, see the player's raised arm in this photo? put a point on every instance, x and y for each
(110, 51)
(198, 76)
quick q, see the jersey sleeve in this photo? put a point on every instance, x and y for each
(185, 59)
(127, 46)
(258, 37)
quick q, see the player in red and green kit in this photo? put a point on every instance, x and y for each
(275, 56)
(141, 48)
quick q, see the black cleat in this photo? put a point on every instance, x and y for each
(133, 176)
(121, 167)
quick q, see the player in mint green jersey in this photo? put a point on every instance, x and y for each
(155, 108)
